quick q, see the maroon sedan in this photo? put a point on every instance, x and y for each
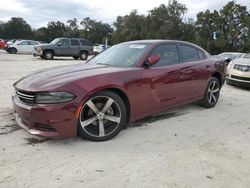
(127, 82)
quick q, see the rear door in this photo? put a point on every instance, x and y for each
(191, 72)
(75, 47)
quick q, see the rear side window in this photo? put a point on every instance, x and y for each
(168, 54)
(189, 53)
(24, 43)
(33, 43)
(201, 54)
(85, 42)
(75, 42)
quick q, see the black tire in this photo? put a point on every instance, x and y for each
(229, 83)
(48, 55)
(83, 55)
(12, 50)
(212, 93)
(76, 57)
(110, 127)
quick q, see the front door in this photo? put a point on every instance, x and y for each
(63, 48)
(162, 88)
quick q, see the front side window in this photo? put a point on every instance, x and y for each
(64, 42)
(168, 54)
(33, 43)
(75, 42)
(189, 53)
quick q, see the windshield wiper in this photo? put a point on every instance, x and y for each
(103, 64)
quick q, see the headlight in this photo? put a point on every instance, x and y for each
(39, 49)
(54, 97)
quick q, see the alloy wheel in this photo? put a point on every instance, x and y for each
(213, 92)
(100, 116)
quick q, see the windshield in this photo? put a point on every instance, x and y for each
(55, 41)
(229, 55)
(121, 55)
(247, 56)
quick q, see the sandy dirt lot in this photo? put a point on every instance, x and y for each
(186, 147)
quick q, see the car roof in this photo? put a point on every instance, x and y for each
(72, 38)
(159, 41)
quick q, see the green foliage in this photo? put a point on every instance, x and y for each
(216, 31)
(16, 28)
(231, 25)
(96, 31)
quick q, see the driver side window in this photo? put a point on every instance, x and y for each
(168, 55)
(64, 42)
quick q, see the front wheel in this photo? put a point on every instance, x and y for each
(12, 51)
(212, 93)
(83, 55)
(49, 55)
(102, 117)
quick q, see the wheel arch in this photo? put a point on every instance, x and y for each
(51, 50)
(84, 51)
(218, 76)
(117, 91)
(124, 97)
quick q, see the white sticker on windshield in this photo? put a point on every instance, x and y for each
(140, 46)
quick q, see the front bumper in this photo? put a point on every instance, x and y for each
(37, 53)
(57, 120)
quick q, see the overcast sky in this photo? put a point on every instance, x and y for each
(39, 12)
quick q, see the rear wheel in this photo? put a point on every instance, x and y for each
(102, 117)
(48, 55)
(212, 93)
(83, 55)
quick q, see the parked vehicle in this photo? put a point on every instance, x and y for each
(2, 43)
(99, 48)
(67, 47)
(229, 56)
(238, 72)
(22, 46)
(127, 82)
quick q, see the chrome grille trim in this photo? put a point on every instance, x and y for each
(25, 97)
(243, 68)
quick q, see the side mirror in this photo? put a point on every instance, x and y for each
(228, 60)
(59, 44)
(153, 59)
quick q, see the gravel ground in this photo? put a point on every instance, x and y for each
(186, 147)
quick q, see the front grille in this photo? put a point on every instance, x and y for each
(240, 78)
(26, 97)
(243, 68)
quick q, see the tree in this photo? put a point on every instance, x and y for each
(72, 28)
(16, 28)
(129, 27)
(230, 26)
(55, 30)
(165, 22)
(96, 31)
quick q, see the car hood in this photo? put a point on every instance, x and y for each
(54, 78)
(242, 61)
(45, 45)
